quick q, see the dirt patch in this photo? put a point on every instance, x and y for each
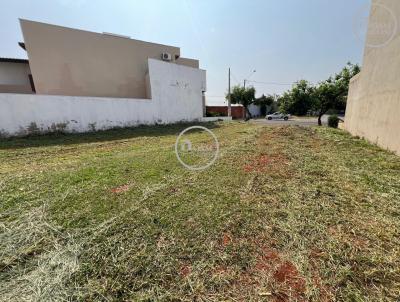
(185, 271)
(272, 275)
(267, 163)
(286, 282)
(226, 240)
(289, 278)
(121, 189)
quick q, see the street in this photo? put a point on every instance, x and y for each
(303, 121)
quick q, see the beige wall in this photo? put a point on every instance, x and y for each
(15, 88)
(12, 73)
(14, 77)
(188, 62)
(373, 106)
(74, 62)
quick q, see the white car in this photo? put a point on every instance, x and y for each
(277, 116)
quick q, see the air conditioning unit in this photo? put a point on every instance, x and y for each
(166, 56)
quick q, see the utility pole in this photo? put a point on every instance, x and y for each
(247, 78)
(229, 93)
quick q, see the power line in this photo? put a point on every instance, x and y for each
(270, 83)
(250, 75)
(235, 78)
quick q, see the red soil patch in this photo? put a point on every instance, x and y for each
(264, 163)
(271, 274)
(268, 261)
(247, 168)
(287, 273)
(221, 270)
(121, 189)
(185, 271)
(288, 282)
(226, 240)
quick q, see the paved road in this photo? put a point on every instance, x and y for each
(312, 121)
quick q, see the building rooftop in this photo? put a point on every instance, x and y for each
(14, 60)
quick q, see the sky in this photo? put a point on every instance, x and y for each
(283, 40)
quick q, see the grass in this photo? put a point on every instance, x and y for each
(285, 214)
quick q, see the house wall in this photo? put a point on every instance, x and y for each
(188, 62)
(14, 77)
(373, 106)
(72, 62)
(14, 73)
(176, 96)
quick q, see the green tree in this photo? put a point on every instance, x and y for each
(332, 93)
(243, 96)
(298, 100)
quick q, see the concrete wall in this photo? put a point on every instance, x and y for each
(176, 96)
(188, 62)
(4, 88)
(14, 73)
(14, 77)
(373, 106)
(237, 112)
(67, 61)
(255, 110)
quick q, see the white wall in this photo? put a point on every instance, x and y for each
(176, 92)
(254, 110)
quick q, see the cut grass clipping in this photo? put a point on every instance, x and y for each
(284, 214)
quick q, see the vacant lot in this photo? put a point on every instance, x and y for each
(285, 214)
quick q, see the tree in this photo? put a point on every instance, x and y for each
(263, 102)
(298, 100)
(332, 93)
(243, 96)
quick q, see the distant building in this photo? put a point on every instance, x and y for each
(66, 61)
(79, 81)
(237, 111)
(373, 105)
(15, 76)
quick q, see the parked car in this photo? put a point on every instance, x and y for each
(278, 116)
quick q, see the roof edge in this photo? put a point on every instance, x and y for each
(14, 60)
(105, 34)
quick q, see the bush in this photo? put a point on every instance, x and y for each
(333, 121)
(214, 114)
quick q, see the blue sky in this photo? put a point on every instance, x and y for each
(283, 40)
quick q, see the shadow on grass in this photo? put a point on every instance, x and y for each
(54, 139)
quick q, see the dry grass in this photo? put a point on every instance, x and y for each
(286, 214)
(55, 258)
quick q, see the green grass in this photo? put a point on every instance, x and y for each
(285, 214)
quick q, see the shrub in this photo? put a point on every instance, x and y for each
(333, 121)
(214, 114)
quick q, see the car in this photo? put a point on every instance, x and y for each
(277, 116)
